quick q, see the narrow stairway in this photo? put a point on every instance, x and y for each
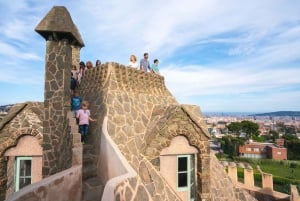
(92, 188)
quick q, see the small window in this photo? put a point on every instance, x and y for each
(278, 153)
(256, 149)
(182, 172)
(186, 175)
(248, 149)
(23, 172)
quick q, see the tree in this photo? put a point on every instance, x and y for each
(287, 137)
(235, 128)
(230, 145)
(250, 128)
(285, 129)
(293, 148)
(290, 130)
(273, 135)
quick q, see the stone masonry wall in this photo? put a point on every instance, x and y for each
(177, 122)
(148, 186)
(76, 56)
(63, 186)
(57, 147)
(222, 188)
(128, 97)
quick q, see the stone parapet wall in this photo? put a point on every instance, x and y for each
(264, 193)
(77, 149)
(62, 186)
(294, 193)
(126, 78)
(122, 182)
(149, 185)
(222, 188)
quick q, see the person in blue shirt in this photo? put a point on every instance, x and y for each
(76, 103)
(154, 67)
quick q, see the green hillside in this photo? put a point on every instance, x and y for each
(279, 113)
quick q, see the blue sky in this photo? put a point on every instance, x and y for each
(225, 56)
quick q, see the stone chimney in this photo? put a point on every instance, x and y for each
(60, 33)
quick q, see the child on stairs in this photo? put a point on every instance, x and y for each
(84, 118)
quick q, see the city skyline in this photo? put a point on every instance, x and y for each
(228, 56)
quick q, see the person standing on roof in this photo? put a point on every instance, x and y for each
(144, 63)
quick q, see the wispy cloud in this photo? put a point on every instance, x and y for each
(197, 80)
(10, 52)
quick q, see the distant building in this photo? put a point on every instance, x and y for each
(221, 124)
(263, 150)
(280, 142)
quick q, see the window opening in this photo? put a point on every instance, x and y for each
(23, 172)
(186, 175)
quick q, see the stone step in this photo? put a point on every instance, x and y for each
(87, 148)
(92, 189)
(76, 138)
(89, 159)
(89, 171)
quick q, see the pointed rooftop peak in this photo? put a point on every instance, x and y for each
(57, 25)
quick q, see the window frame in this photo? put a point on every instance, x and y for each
(18, 160)
(190, 173)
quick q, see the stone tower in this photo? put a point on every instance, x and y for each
(61, 35)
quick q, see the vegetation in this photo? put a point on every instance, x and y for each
(293, 148)
(284, 172)
(248, 127)
(230, 145)
(235, 128)
(286, 129)
(273, 135)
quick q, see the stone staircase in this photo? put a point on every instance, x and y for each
(92, 188)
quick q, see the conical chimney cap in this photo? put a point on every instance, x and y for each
(58, 24)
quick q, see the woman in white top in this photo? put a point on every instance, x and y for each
(133, 63)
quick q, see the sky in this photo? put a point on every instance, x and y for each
(224, 56)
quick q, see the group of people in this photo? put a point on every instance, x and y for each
(144, 64)
(76, 75)
(80, 107)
